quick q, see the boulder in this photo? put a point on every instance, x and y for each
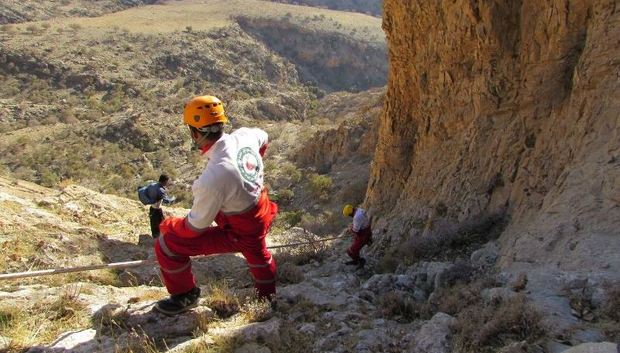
(435, 336)
(602, 347)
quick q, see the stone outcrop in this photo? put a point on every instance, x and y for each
(504, 107)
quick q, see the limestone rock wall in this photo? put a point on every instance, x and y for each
(504, 107)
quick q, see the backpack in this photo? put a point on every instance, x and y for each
(143, 195)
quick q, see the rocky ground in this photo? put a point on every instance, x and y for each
(452, 303)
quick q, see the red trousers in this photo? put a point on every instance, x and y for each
(361, 238)
(243, 233)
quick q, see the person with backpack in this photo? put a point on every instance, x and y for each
(231, 192)
(362, 234)
(154, 194)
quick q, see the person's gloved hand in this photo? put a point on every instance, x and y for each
(177, 226)
(168, 201)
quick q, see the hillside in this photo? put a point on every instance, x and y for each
(17, 11)
(117, 83)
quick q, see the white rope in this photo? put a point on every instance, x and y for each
(125, 264)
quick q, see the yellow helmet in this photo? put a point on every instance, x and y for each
(203, 111)
(347, 210)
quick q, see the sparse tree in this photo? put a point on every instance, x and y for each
(32, 29)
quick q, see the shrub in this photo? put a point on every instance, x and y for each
(285, 195)
(320, 185)
(292, 218)
(400, 306)
(289, 273)
(484, 329)
(611, 307)
(222, 300)
(49, 178)
(32, 29)
(454, 244)
(292, 172)
(256, 311)
(303, 254)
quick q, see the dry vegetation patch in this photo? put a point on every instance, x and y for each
(29, 323)
(488, 327)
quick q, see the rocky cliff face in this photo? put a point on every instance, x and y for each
(332, 61)
(371, 7)
(509, 108)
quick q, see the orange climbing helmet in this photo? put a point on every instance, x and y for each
(202, 111)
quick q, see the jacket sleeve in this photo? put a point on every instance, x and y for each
(163, 196)
(208, 200)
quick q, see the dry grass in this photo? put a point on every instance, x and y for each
(288, 273)
(453, 300)
(485, 328)
(611, 307)
(219, 344)
(222, 299)
(42, 322)
(256, 311)
(302, 254)
(450, 245)
(610, 313)
(400, 306)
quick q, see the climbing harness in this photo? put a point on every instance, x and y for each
(128, 264)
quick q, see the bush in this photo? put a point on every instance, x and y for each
(303, 254)
(400, 306)
(450, 245)
(292, 172)
(484, 329)
(289, 273)
(49, 178)
(320, 185)
(256, 311)
(291, 219)
(222, 300)
(32, 29)
(611, 307)
(285, 195)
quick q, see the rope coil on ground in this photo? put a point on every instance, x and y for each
(127, 264)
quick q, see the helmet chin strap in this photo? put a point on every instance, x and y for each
(202, 143)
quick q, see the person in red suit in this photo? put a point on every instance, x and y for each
(229, 192)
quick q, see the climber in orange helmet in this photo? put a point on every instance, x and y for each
(230, 192)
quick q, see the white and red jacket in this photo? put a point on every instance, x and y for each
(231, 185)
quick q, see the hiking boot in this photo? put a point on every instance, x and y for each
(179, 303)
(361, 262)
(352, 262)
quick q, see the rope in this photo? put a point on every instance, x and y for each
(126, 264)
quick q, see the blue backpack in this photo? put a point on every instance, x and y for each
(143, 195)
